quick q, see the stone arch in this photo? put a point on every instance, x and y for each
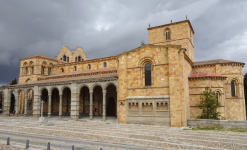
(108, 84)
(146, 60)
(52, 88)
(41, 89)
(81, 86)
(24, 64)
(62, 88)
(31, 63)
(28, 80)
(236, 79)
(96, 84)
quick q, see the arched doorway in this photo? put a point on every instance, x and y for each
(97, 101)
(12, 103)
(30, 102)
(66, 103)
(111, 100)
(55, 102)
(84, 108)
(111, 107)
(44, 97)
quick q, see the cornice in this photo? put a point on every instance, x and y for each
(207, 78)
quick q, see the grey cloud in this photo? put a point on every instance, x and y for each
(106, 28)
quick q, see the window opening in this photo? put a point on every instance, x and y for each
(75, 68)
(89, 66)
(147, 74)
(105, 65)
(62, 70)
(233, 88)
(79, 58)
(75, 58)
(167, 35)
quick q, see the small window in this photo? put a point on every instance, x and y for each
(42, 70)
(64, 58)
(32, 69)
(105, 65)
(218, 96)
(49, 70)
(75, 68)
(26, 70)
(167, 34)
(75, 58)
(233, 88)
(89, 66)
(67, 59)
(147, 74)
(62, 70)
(61, 58)
(79, 58)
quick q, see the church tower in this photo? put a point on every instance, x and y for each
(178, 33)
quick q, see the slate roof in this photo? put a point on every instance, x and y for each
(216, 61)
(196, 74)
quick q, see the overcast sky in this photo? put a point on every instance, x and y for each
(109, 27)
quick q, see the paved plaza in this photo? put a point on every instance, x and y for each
(109, 135)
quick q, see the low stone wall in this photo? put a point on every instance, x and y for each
(217, 123)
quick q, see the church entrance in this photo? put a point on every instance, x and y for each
(111, 107)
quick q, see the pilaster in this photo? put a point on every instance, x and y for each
(36, 102)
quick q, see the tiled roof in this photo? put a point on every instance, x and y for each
(42, 56)
(196, 74)
(71, 79)
(216, 61)
(78, 73)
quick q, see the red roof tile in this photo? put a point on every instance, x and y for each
(196, 74)
(216, 61)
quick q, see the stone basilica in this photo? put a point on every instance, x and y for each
(158, 83)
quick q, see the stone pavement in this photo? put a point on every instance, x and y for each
(85, 134)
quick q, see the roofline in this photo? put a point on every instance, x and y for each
(173, 24)
(39, 56)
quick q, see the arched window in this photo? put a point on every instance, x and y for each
(218, 96)
(89, 66)
(67, 59)
(75, 68)
(26, 70)
(147, 74)
(105, 65)
(168, 34)
(62, 70)
(79, 58)
(233, 88)
(75, 58)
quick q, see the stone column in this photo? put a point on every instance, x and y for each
(74, 110)
(25, 110)
(6, 107)
(16, 104)
(49, 105)
(60, 105)
(36, 102)
(104, 108)
(91, 105)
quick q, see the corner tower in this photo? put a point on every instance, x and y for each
(178, 33)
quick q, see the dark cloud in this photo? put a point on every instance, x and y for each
(106, 28)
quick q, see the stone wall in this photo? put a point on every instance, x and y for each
(217, 123)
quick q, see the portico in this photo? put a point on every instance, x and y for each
(67, 98)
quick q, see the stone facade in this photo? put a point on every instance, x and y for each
(117, 85)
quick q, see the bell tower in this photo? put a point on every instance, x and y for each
(178, 33)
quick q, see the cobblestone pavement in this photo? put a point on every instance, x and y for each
(83, 134)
